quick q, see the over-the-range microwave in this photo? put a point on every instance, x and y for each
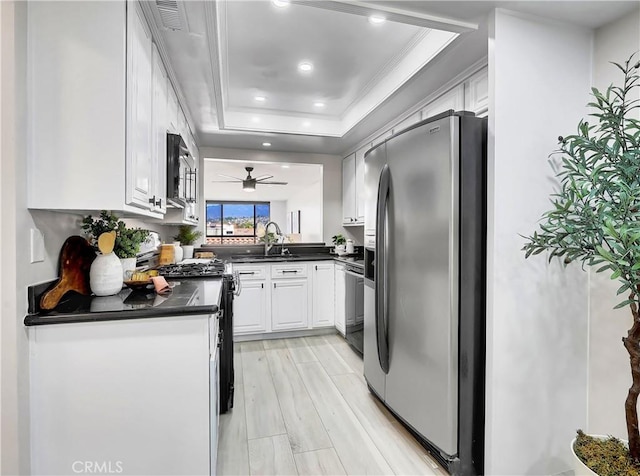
(181, 173)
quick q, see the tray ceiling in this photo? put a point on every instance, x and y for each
(237, 62)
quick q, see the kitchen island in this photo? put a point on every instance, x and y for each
(127, 384)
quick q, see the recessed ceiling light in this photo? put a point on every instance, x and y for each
(260, 98)
(285, 166)
(318, 104)
(306, 124)
(280, 3)
(305, 67)
(255, 119)
(377, 19)
(266, 144)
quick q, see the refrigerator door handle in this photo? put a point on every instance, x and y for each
(381, 282)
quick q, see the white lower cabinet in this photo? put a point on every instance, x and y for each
(250, 307)
(289, 304)
(323, 294)
(281, 297)
(130, 396)
(340, 299)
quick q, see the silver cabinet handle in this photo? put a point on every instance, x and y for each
(289, 271)
(381, 282)
(247, 272)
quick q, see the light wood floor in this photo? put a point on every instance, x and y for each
(302, 407)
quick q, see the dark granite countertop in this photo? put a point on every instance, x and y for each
(188, 297)
(253, 259)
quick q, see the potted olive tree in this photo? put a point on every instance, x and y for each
(595, 219)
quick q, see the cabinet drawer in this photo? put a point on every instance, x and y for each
(289, 270)
(248, 272)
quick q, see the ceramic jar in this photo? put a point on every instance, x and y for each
(188, 251)
(105, 275)
(178, 254)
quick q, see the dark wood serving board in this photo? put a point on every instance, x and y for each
(76, 257)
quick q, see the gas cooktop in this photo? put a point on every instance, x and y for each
(211, 269)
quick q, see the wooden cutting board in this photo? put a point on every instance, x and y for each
(76, 257)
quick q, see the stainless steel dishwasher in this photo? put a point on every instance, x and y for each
(354, 274)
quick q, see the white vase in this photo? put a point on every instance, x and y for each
(128, 267)
(105, 276)
(188, 251)
(179, 253)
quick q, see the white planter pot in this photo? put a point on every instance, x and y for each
(179, 254)
(128, 267)
(105, 276)
(188, 251)
(579, 468)
(340, 249)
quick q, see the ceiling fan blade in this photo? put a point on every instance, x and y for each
(230, 176)
(273, 183)
(264, 177)
(226, 181)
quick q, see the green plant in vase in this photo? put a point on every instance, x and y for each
(187, 236)
(595, 218)
(128, 240)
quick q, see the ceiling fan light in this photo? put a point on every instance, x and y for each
(249, 186)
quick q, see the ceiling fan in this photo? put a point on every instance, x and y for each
(249, 183)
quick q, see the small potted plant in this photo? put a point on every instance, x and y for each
(187, 236)
(595, 219)
(339, 243)
(127, 241)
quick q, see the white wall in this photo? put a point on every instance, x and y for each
(331, 178)
(14, 253)
(309, 205)
(609, 372)
(278, 213)
(539, 79)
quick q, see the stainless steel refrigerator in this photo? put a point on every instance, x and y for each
(425, 229)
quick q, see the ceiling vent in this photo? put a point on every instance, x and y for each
(170, 14)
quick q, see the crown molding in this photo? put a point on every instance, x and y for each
(392, 14)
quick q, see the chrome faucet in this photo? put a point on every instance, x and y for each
(267, 245)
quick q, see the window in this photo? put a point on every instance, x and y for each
(235, 223)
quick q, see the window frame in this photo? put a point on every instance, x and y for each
(222, 203)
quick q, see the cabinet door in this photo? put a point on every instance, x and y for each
(214, 412)
(289, 304)
(250, 309)
(172, 108)
(349, 190)
(360, 198)
(139, 168)
(323, 295)
(159, 144)
(340, 299)
(453, 99)
(476, 93)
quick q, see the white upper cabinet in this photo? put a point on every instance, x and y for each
(140, 166)
(408, 122)
(360, 198)
(98, 114)
(476, 93)
(353, 198)
(172, 109)
(453, 99)
(159, 143)
(349, 213)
